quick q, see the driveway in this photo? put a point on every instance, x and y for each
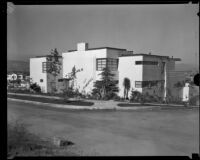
(118, 133)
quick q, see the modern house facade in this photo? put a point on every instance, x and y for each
(91, 61)
(39, 75)
(147, 73)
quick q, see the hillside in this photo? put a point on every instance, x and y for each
(17, 66)
(185, 67)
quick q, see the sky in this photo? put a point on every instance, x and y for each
(171, 30)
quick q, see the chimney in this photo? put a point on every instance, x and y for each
(82, 46)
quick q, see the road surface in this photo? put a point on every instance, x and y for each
(118, 133)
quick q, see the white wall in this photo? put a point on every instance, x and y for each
(36, 73)
(127, 68)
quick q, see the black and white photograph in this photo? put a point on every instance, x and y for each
(102, 80)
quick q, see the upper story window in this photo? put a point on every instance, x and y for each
(45, 67)
(146, 63)
(111, 63)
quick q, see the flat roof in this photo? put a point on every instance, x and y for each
(45, 56)
(150, 55)
(100, 48)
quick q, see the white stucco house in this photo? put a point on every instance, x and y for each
(148, 73)
(11, 76)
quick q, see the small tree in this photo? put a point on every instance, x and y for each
(54, 66)
(107, 86)
(72, 76)
(127, 86)
(71, 92)
(136, 96)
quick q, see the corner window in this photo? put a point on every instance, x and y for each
(146, 63)
(111, 63)
(41, 80)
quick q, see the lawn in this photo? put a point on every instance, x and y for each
(54, 101)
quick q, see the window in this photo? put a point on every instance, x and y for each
(45, 67)
(138, 84)
(112, 64)
(41, 80)
(149, 84)
(101, 63)
(162, 67)
(60, 80)
(146, 63)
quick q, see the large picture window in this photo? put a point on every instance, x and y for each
(146, 63)
(112, 64)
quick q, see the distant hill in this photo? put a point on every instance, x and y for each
(17, 66)
(185, 67)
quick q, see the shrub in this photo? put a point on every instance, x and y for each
(117, 98)
(136, 96)
(35, 87)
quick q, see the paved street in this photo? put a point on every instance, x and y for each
(141, 132)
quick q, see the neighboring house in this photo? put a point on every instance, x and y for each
(38, 74)
(152, 74)
(20, 76)
(11, 76)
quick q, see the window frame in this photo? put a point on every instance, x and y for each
(136, 85)
(45, 66)
(111, 63)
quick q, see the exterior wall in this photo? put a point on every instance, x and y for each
(155, 73)
(50, 83)
(127, 68)
(36, 73)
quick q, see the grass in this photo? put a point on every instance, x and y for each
(20, 142)
(54, 101)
